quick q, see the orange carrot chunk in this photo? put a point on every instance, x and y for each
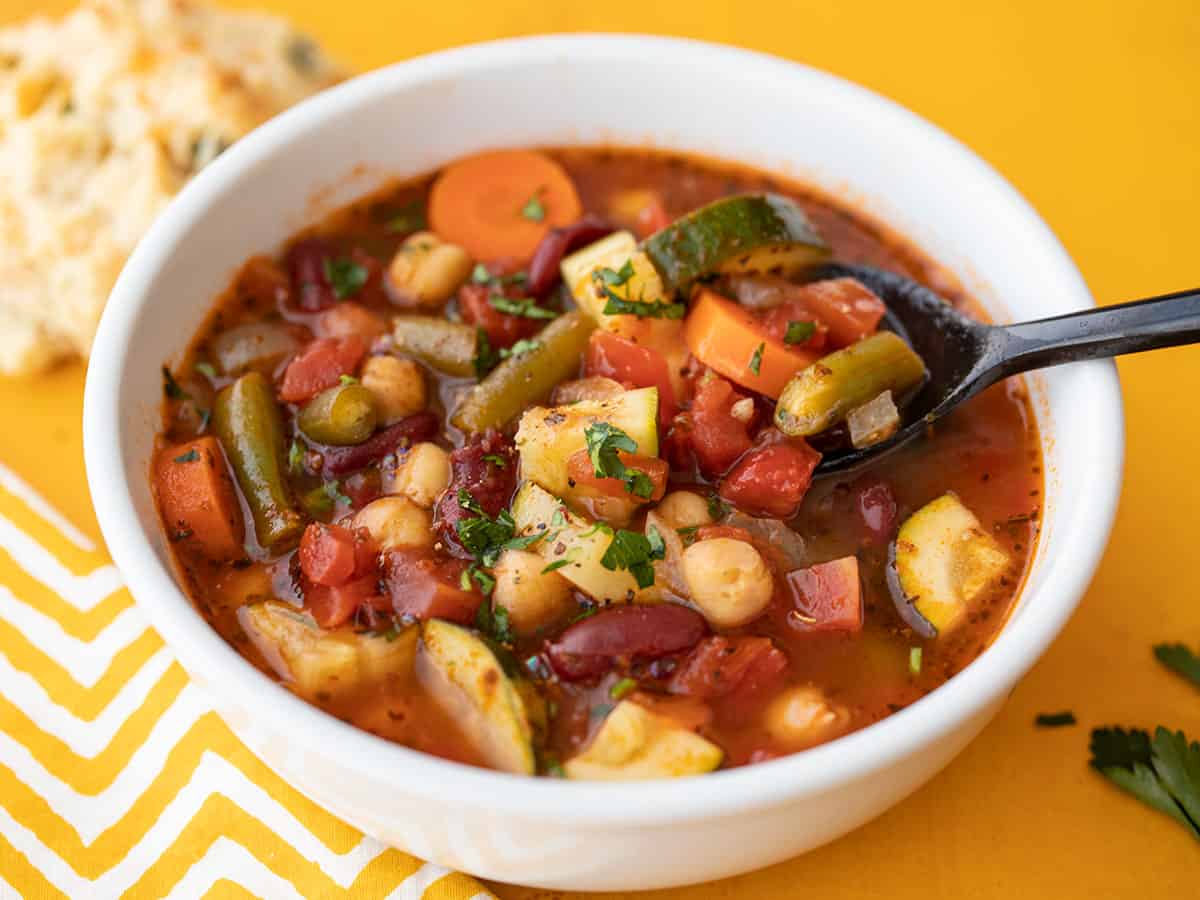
(499, 205)
(196, 498)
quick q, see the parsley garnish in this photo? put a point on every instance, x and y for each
(533, 210)
(622, 688)
(1163, 773)
(207, 370)
(347, 379)
(616, 277)
(1179, 659)
(688, 534)
(496, 460)
(486, 538)
(799, 332)
(603, 442)
(520, 348)
(409, 218)
(485, 357)
(333, 490)
(914, 661)
(480, 274)
(295, 457)
(756, 359)
(190, 456)
(717, 508)
(1054, 720)
(171, 387)
(526, 307)
(635, 552)
(345, 276)
(607, 279)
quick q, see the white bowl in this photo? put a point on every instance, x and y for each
(728, 103)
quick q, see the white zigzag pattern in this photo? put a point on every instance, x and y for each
(84, 738)
(91, 815)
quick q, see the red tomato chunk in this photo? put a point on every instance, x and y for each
(320, 366)
(633, 365)
(503, 329)
(719, 666)
(486, 469)
(426, 588)
(772, 480)
(718, 438)
(844, 305)
(827, 596)
(583, 474)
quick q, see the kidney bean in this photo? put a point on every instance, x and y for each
(876, 506)
(486, 468)
(306, 266)
(412, 429)
(592, 646)
(558, 242)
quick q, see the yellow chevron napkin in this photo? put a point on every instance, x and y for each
(116, 777)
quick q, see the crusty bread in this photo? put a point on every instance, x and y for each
(104, 115)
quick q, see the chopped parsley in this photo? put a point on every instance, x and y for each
(480, 274)
(717, 508)
(485, 357)
(492, 620)
(333, 490)
(799, 332)
(533, 210)
(1179, 659)
(616, 305)
(207, 370)
(473, 573)
(496, 460)
(756, 359)
(622, 688)
(190, 456)
(616, 277)
(295, 457)
(525, 307)
(636, 553)
(556, 565)
(345, 276)
(407, 219)
(347, 379)
(171, 387)
(914, 660)
(1054, 720)
(600, 711)
(520, 348)
(486, 538)
(603, 443)
(688, 534)
(1162, 772)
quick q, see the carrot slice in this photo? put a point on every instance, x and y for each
(726, 337)
(500, 204)
(196, 498)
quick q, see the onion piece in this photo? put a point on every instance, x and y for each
(788, 546)
(257, 346)
(874, 421)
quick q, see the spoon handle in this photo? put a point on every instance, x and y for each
(1166, 321)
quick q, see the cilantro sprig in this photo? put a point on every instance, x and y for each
(1179, 659)
(1162, 772)
(603, 443)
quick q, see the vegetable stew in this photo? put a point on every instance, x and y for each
(514, 464)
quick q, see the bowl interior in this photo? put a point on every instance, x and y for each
(630, 91)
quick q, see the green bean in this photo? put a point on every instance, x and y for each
(446, 346)
(340, 416)
(820, 396)
(247, 421)
(528, 377)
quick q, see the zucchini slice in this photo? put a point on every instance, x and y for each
(462, 674)
(634, 743)
(314, 660)
(579, 271)
(573, 544)
(547, 438)
(941, 561)
(754, 233)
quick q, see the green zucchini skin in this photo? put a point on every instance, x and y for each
(749, 233)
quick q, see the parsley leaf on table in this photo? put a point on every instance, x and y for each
(1163, 772)
(1179, 659)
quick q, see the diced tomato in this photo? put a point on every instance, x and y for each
(772, 479)
(319, 366)
(581, 471)
(631, 364)
(845, 306)
(652, 217)
(877, 508)
(503, 329)
(327, 554)
(334, 606)
(717, 438)
(425, 587)
(719, 666)
(827, 596)
(777, 319)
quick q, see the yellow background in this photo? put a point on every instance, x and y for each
(1093, 111)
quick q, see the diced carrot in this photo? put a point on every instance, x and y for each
(196, 497)
(502, 203)
(728, 338)
(581, 471)
(320, 365)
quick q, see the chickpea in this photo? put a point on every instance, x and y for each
(684, 509)
(803, 716)
(421, 474)
(425, 272)
(727, 580)
(532, 596)
(398, 386)
(349, 318)
(396, 522)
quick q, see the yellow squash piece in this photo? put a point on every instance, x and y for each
(634, 743)
(317, 661)
(613, 252)
(943, 560)
(464, 677)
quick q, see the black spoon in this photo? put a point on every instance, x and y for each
(964, 356)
